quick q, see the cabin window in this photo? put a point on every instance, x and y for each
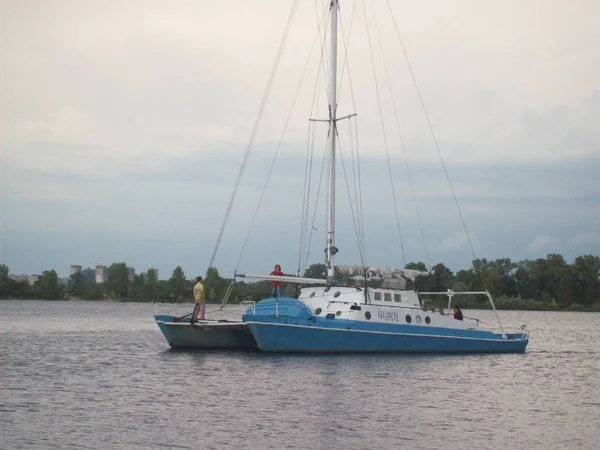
(312, 294)
(397, 298)
(318, 311)
(408, 318)
(337, 294)
(387, 297)
(418, 319)
(338, 313)
(377, 295)
(368, 315)
(427, 320)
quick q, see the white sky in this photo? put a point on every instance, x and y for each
(123, 125)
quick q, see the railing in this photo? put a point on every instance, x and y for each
(450, 293)
(249, 304)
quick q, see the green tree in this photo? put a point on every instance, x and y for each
(214, 285)
(4, 280)
(467, 279)
(316, 271)
(492, 281)
(117, 280)
(416, 266)
(587, 279)
(77, 284)
(151, 291)
(177, 283)
(138, 288)
(47, 286)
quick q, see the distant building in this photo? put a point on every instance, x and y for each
(75, 269)
(131, 274)
(19, 278)
(101, 274)
(31, 279)
(89, 275)
(155, 271)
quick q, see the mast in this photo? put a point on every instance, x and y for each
(331, 250)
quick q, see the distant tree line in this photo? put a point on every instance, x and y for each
(544, 283)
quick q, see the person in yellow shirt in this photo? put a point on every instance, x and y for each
(199, 299)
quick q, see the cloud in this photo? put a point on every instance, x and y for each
(126, 123)
(454, 242)
(582, 240)
(543, 242)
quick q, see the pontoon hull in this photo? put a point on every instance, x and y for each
(274, 337)
(288, 325)
(225, 335)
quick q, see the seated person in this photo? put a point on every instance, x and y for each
(458, 315)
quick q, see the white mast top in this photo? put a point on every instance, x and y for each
(331, 250)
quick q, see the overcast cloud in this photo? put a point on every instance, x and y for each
(124, 124)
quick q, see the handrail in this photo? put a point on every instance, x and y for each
(249, 304)
(450, 293)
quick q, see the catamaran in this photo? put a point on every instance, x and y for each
(327, 316)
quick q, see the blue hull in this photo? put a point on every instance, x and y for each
(225, 335)
(289, 326)
(271, 337)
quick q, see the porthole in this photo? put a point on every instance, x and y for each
(312, 294)
(337, 294)
(339, 313)
(368, 315)
(427, 320)
(418, 319)
(318, 311)
(408, 318)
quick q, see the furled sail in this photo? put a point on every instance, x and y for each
(378, 272)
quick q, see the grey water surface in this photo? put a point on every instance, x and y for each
(99, 375)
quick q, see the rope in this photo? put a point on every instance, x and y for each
(355, 168)
(354, 219)
(431, 129)
(287, 121)
(309, 158)
(254, 131)
(402, 146)
(312, 227)
(387, 153)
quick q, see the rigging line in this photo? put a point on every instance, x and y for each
(287, 121)
(431, 129)
(355, 179)
(324, 59)
(304, 197)
(322, 64)
(387, 153)
(312, 227)
(354, 218)
(254, 131)
(402, 146)
(309, 157)
(346, 45)
(360, 192)
(347, 63)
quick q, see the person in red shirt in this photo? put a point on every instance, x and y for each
(458, 315)
(276, 289)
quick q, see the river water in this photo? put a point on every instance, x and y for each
(100, 375)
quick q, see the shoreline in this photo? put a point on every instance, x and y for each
(463, 305)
